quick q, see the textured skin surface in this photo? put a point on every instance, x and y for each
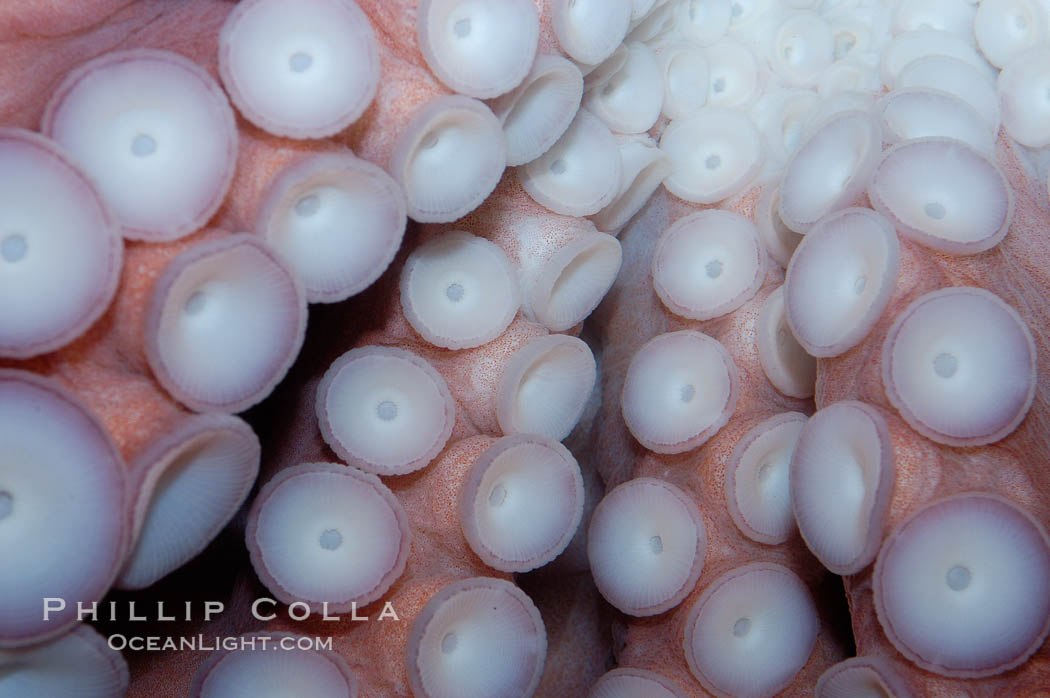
(630, 315)
(42, 40)
(1014, 467)
(107, 367)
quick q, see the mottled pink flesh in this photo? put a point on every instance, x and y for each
(924, 470)
(631, 315)
(927, 471)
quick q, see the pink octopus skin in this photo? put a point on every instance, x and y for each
(630, 314)
(926, 471)
(106, 368)
(440, 554)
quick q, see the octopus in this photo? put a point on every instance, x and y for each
(460, 349)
